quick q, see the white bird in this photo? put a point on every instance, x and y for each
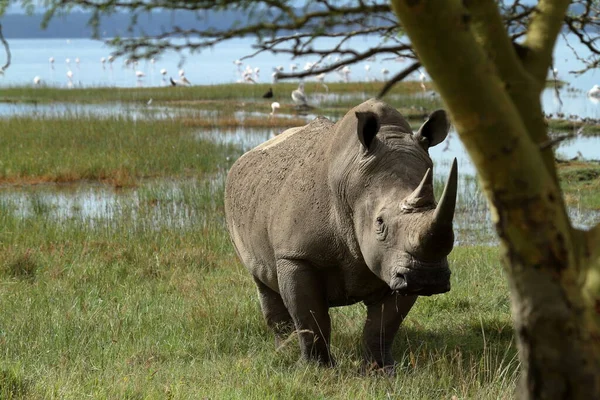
(368, 70)
(422, 78)
(163, 71)
(185, 81)
(293, 67)
(140, 78)
(51, 61)
(299, 97)
(274, 77)
(346, 73)
(321, 79)
(594, 92)
(180, 82)
(309, 65)
(37, 80)
(274, 106)
(181, 72)
(68, 61)
(110, 60)
(70, 79)
(103, 61)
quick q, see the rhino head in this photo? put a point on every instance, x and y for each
(404, 236)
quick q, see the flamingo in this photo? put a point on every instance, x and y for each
(422, 78)
(321, 78)
(70, 79)
(594, 92)
(274, 106)
(346, 73)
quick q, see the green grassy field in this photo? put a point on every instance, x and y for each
(118, 279)
(140, 306)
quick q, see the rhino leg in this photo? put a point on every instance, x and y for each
(276, 314)
(304, 296)
(383, 320)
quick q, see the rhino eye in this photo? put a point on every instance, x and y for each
(379, 225)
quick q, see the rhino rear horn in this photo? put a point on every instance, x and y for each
(444, 212)
(367, 127)
(423, 195)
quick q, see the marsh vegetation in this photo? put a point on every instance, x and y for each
(118, 279)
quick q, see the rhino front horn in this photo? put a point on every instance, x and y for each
(444, 212)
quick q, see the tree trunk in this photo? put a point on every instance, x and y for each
(493, 95)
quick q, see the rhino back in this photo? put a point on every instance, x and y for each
(277, 201)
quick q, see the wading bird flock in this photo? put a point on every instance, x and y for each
(143, 75)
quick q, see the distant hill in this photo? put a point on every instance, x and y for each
(75, 24)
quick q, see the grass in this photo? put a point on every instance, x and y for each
(150, 301)
(32, 94)
(591, 128)
(406, 96)
(116, 150)
(581, 184)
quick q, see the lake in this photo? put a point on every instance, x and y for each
(30, 58)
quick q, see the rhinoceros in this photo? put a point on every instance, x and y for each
(328, 215)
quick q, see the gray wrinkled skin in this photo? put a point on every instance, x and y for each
(327, 215)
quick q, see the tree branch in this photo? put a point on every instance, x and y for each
(491, 33)
(7, 49)
(546, 23)
(398, 77)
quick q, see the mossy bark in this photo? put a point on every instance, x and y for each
(492, 89)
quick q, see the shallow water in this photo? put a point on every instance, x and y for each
(156, 204)
(106, 110)
(183, 204)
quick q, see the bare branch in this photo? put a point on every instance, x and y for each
(398, 78)
(7, 49)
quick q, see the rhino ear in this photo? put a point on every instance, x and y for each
(368, 126)
(435, 129)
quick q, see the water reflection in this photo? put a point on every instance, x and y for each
(158, 204)
(74, 110)
(570, 102)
